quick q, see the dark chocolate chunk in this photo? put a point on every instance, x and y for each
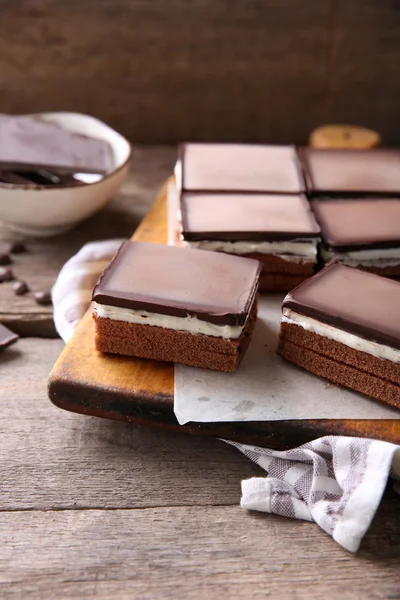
(33, 143)
(239, 168)
(43, 298)
(7, 337)
(247, 217)
(18, 248)
(40, 177)
(6, 274)
(14, 178)
(359, 223)
(355, 301)
(214, 287)
(339, 172)
(20, 288)
(5, 259)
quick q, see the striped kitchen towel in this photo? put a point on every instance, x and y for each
(337, 482)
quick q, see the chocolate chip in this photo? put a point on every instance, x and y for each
(6, 274)
(18, 248)
(43, 298)
(5, 259)
(20, 288)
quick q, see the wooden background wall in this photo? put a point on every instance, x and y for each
(169, 70)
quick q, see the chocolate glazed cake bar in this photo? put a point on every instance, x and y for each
(361, 232)
(351, 172)
(179, 305)
(279, 230)
(344, 324)
(239, 168)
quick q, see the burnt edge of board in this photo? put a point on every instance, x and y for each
(141, 408)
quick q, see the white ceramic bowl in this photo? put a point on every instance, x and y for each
(45, 211)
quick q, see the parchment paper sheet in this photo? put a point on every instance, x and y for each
(267, 388)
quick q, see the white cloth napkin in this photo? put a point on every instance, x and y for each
(336, 481)
(72, 292)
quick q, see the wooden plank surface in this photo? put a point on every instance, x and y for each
(40, 266)
(191, 553)
(141, 391)
(363, 63)
(56, 460)
(205, 69)
(92, 508)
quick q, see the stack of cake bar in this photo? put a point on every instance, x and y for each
(171, 304)
(344, 324)
(246, 200)
(294, 210)
(355, 196)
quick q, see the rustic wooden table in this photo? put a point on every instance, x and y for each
(95, 508)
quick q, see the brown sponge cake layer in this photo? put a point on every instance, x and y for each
(277, 265)
(339, 373)
(279, 275)
(339, 352)
(159, 343)
(275, 282)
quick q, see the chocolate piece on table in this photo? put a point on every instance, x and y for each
(20, 288)
(7, 337)
(18, 248)
(5, 259)
(6, 274)
(277, 229)
(349, 172)
(173, 304)
(43, 298)
(361, 232)
(343, 324)
(239, 168)
(31, 144)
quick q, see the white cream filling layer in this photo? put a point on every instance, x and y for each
(293, 251)
(178, 174)
(385, 257)
(338, 335)
(188, 323)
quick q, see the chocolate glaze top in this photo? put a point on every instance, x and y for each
(351, 171)
(240, 168)
(214, 287)
(355, 301)
(30, 144)
(360, 223)
(247, 217)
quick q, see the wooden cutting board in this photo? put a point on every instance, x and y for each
(142, 391)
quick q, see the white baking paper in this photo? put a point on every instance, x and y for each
(267, 388)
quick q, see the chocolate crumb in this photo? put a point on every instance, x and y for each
(18, 248)
(6, 274)
(5, 259)
(43, 298)
(20, 288)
